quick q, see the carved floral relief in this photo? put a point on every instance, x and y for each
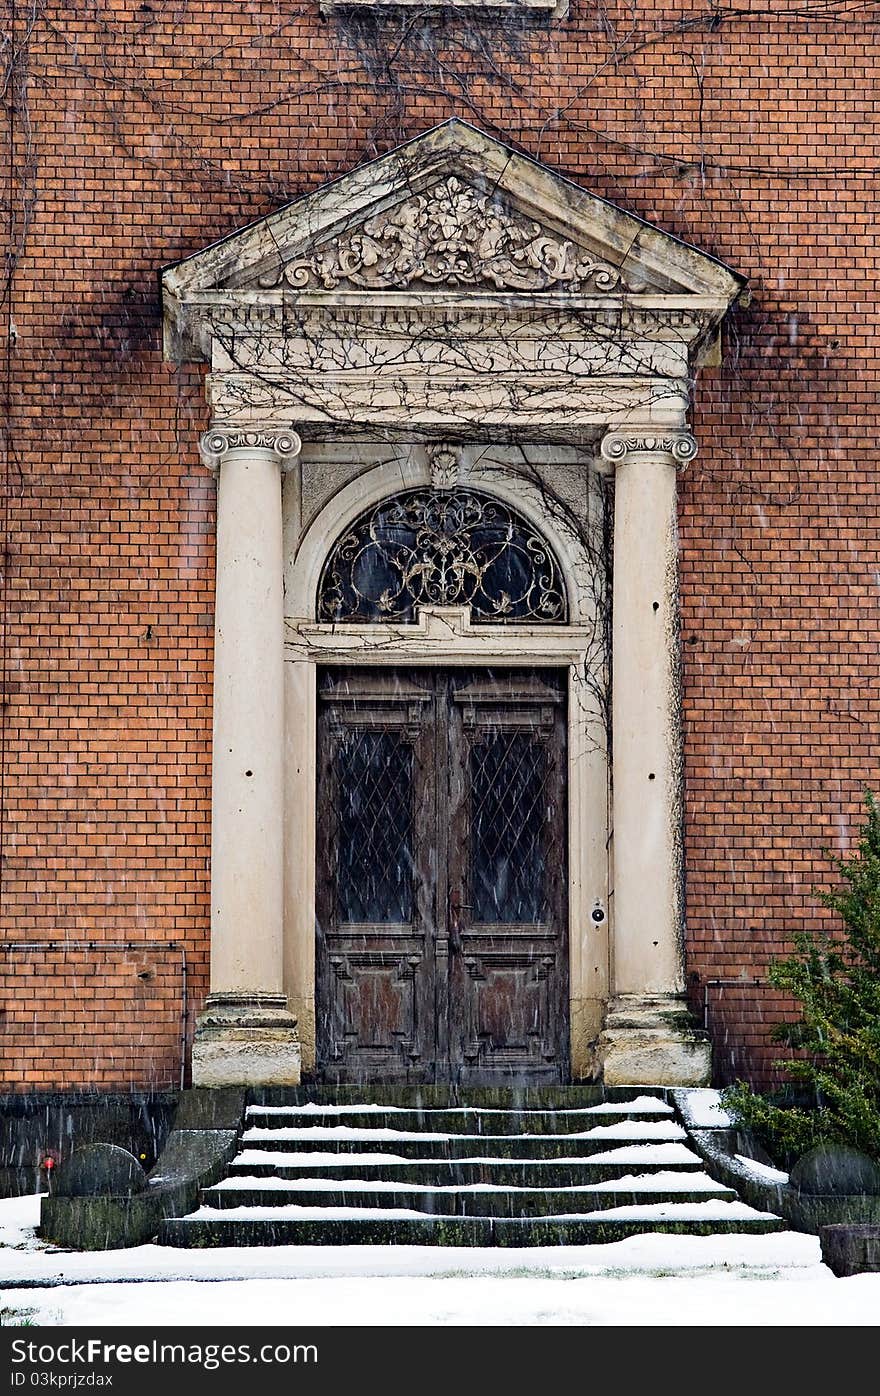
(452, 236)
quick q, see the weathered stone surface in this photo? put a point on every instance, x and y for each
(35, 1125)
(654, 1060)
(195, 1156)
(650, 1040)
(850, 1250)
(834, 1170)
(723, 1149)
(100, 1170)
(204, 1109)
(240, 1041)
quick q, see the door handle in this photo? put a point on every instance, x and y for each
(456, 907)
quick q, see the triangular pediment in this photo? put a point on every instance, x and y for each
(453, 211)
(456, 233)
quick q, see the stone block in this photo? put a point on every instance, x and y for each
(246, 1040)
(850, 1250)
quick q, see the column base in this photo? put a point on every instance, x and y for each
(651, 1040)
(246, 1040)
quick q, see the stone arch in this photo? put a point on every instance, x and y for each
(576, 555)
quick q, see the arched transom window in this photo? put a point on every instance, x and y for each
(454, 547)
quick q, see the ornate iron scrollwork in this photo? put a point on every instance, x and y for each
(442, 548)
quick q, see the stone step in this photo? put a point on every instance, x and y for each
(455, 1120)
(414, 1144)
(481, 1199)
(432, 1171)
(385, 1229)
(434, 1166)
(425, 1097)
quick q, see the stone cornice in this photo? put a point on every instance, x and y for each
(675, 445)
(215, 444)
(194, 323)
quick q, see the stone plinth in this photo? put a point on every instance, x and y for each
(246, 1040)
(649, 1040)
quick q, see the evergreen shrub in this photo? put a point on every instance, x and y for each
(834, 1096)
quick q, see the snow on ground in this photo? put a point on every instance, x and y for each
(732, 1280)
(803, 1299)
(18, 1218)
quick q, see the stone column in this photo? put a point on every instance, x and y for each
(246, 1036)
(648, 1036)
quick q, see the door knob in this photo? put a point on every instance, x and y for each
(456, 907)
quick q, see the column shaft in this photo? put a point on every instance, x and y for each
(648, 1037)
(246, 1036)
(247, 800)
(646, 807)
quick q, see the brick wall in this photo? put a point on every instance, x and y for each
(140, 133)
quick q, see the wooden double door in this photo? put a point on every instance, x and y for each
(442, 948)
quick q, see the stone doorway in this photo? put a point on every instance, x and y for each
(567, 331)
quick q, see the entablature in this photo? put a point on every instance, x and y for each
(451, 286)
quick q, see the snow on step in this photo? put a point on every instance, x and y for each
(640, 1154)
(642, 1182)
(294, 1213)
(709, 1211)
(640, 1105)
(630, 1155)
(762, 1170)
(624, 1129)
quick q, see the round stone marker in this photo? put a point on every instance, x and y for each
(835, 1170)
(100, 1170)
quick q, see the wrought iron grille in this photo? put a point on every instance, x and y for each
(509, 814)
(374, 793)
(442, 548)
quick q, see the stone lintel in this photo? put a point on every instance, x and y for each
(552, 407)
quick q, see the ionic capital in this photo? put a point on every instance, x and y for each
(675, 445)
(216, 444)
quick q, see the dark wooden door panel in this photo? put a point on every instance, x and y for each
(375, 908)
(377, 1032)
(509, 1024)
(441, 944)
(509, 975)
